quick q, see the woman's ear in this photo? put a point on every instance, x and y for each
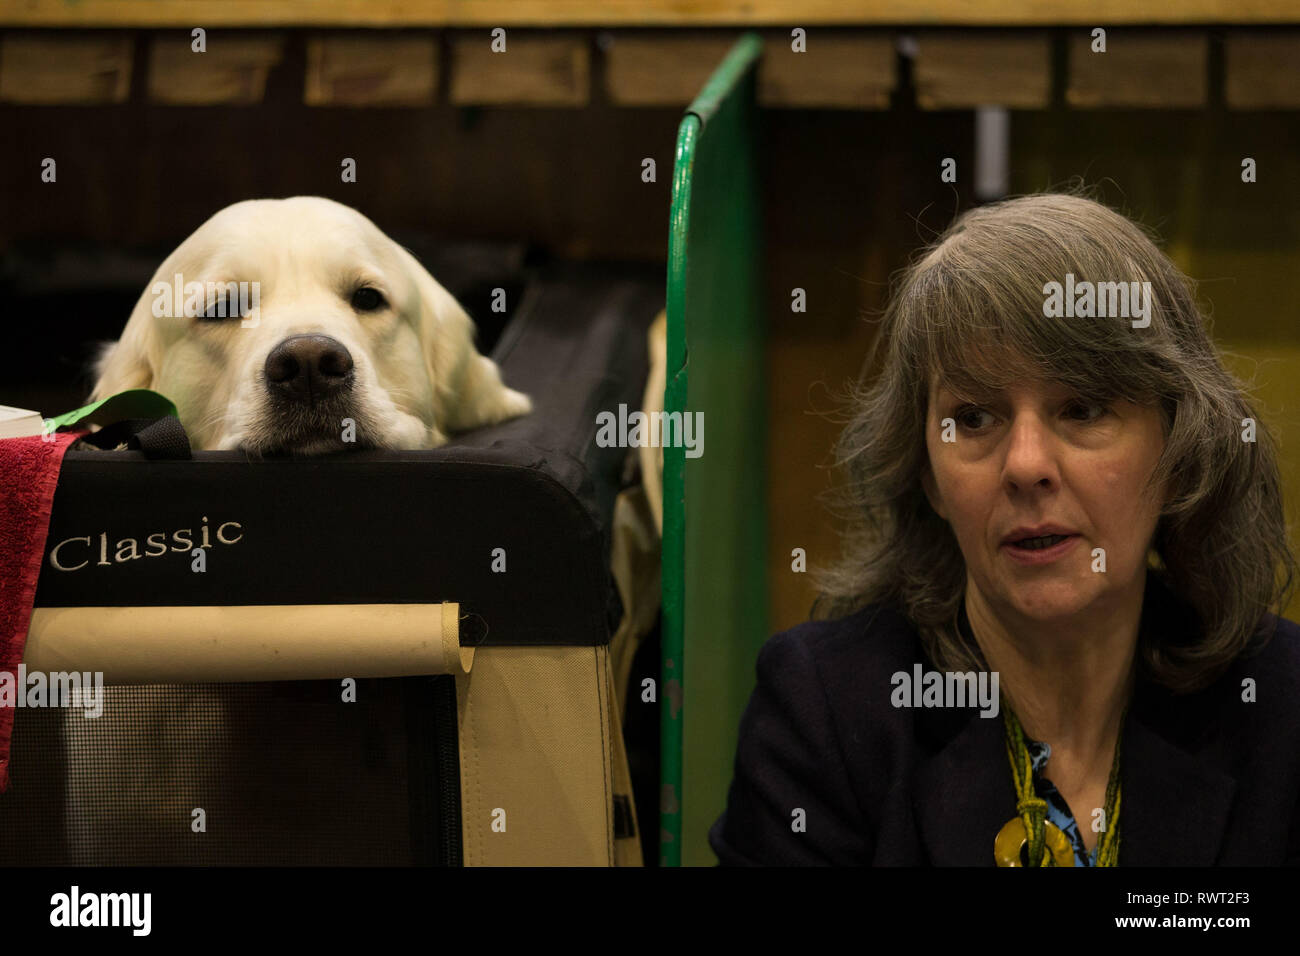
(467, 387)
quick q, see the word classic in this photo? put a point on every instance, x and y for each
(73, 554)
(948, 689)
(1124, 300)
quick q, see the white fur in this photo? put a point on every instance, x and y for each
(418, 374)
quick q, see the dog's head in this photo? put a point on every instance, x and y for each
(295, 325)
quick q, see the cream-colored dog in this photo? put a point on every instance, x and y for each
(295, 325)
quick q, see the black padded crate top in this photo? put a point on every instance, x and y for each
(378, 527)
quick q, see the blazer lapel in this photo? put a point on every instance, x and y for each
(1176, 793)
(1175, 805)
(963, 793)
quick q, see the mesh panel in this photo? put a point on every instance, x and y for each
(286, 773)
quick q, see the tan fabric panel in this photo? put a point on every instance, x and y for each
(538, 741)
(635, 564)
(627, 851)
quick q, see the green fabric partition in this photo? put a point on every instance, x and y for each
(715, 528)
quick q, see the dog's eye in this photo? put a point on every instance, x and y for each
(220, 309)
(367, 299)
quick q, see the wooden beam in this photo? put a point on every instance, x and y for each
(368, 69)
(1263, 70)
(661, 67)
(56, 69)
(957, 70)
(612, 13)
(842, 69)
(1164, 69)
(233, 69)
(533, 70)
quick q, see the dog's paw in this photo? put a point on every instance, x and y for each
(516, 403)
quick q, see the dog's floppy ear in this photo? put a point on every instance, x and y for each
(467, 386)
(126, 363)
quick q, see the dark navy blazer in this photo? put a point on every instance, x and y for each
(1207, 779)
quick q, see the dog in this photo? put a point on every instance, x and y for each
(296, 326)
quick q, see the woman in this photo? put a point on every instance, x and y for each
(1054, 484)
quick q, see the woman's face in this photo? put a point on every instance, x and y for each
(1037, 455)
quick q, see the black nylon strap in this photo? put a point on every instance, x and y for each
(158, 438)
(163, 438)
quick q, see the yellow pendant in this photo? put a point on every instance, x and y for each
(1012, 838)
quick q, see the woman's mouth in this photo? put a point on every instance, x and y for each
(1041, 550)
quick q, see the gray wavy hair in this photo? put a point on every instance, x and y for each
(973, 297)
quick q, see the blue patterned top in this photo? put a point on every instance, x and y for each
(1058, 812)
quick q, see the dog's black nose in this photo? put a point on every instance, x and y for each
(307, 368)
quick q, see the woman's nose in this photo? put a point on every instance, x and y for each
(1031, 455)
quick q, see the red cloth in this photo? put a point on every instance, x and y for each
(29, 470)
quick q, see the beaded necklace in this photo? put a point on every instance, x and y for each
(1048, 845)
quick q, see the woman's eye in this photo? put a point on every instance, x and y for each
(367, 299)
(969, 417)
(965, 419)
(1086, 406)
